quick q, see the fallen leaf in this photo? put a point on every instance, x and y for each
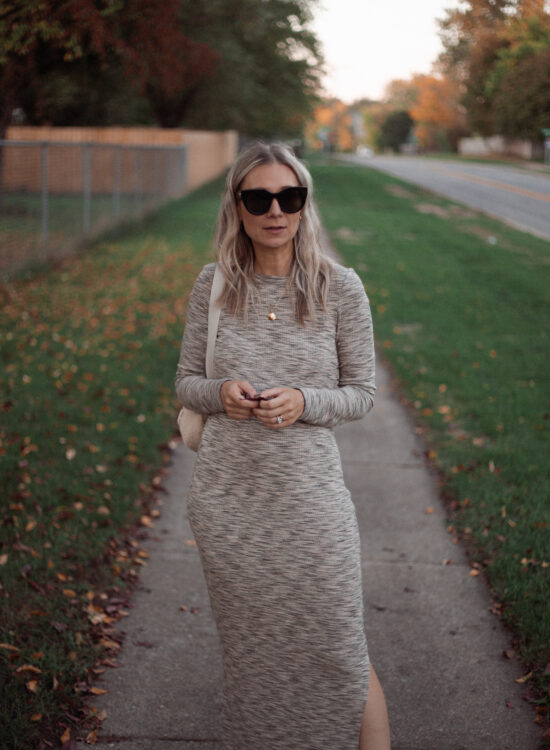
(429, 510)
(91, 738)
(474, 572)
(32, 686)
(9, 647)
(525, 678)
(98, 691)
(66, 736)
(28, 668)
(70, 593)
(108, 643)
(3, 559)
(146, 521)
(36, 717)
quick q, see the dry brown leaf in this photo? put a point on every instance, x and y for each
(108, 643)
(70, 593)
(98, 691)
(146, 521)
(28, 668)
(9, 647)
(525, 678)
(66, 736)
(32, 686)
(474, 572)
(36, 717)
(3, 559)
(91, 738)
(427, 511)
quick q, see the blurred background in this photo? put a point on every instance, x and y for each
(110, 107)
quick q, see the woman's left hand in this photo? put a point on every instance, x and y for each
(287, 404)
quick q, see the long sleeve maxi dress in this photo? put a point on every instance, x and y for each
(274, 523)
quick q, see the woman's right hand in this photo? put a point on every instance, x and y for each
(234, 398)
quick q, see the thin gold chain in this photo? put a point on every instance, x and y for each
(271, 308)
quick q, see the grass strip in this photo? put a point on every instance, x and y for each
(89, 351)
(461, 312)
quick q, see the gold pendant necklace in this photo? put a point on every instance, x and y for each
(271, 314)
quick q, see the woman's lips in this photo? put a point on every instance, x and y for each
(274, 230)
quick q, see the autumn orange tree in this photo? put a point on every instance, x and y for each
(331, 126)
(437, 112)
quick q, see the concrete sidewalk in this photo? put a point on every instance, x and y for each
(433, 641)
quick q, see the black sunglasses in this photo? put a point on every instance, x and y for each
(258, 202)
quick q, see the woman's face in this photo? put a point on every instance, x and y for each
(275, 230)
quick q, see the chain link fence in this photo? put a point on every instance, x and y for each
(56, 196)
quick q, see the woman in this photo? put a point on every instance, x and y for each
(274, 523)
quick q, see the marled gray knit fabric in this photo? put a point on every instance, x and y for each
(274, 523)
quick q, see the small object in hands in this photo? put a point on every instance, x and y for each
(279, 419)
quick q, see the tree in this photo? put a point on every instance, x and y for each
(401, 94)
(471, 41)
(330, 128)
(495, 49)
(62, 61)
(268, 80)
(395, 130)
(243, 64)
(439, 117)
(519, 83)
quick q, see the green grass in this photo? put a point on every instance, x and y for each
(21, 239)
(461, 313)
(89, 350)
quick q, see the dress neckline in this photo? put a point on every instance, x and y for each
(265, 277)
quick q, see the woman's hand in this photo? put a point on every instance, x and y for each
(234, 398)
(286, 403)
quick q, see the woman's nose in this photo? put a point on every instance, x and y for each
(274, 209)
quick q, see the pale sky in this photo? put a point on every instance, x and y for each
(368, 43)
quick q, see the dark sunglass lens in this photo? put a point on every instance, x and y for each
(257, 202)
(291, 200)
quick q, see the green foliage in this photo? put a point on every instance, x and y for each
(460, 307)
(519, 82)
(395, 130)
(497, 51)
(211, 64)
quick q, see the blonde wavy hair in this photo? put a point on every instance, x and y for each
(311, 268)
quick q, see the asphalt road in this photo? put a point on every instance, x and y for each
(517, 196)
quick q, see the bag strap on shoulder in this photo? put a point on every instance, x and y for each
(213, 319)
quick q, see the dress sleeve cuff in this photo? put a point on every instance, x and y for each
(309, 404)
